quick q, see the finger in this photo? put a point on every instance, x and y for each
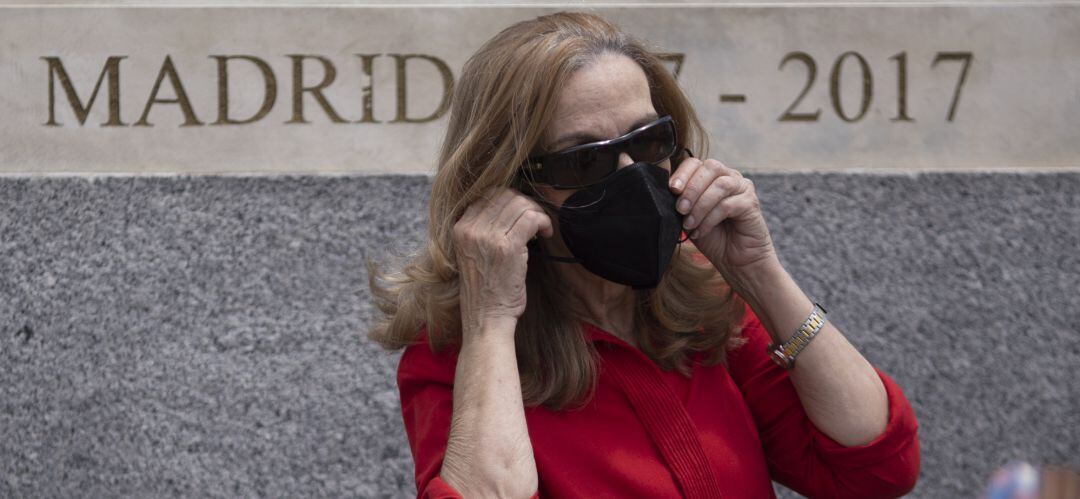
(511, 211)
(721, 187)
(545, 229)
(530, 199)
(738, 207)
(701, 179)
(682, 174)
(514, 210)
(727, 170)
(530, 223)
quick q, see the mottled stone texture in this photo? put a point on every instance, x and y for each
(179, 336)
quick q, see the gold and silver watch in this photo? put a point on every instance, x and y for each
(785, 354)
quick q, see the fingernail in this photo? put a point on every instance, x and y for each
(677, 184)
(684, 206)
(689, 222)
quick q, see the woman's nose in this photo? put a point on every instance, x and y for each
(625, 160)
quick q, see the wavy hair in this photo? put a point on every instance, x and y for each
(501, 105)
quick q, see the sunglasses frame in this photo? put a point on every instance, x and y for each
(534, 166)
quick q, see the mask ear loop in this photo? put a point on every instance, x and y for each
(688, 154)
(685, 237)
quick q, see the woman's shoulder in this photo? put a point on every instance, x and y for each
(420, 361)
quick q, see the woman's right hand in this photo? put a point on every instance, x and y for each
(492, 256)
(488, 452)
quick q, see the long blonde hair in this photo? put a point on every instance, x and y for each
(501, 105)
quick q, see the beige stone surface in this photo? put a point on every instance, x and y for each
(570, 3)
(1018, 103)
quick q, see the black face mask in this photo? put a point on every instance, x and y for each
(624, 228)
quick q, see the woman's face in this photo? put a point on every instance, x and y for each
(604, 100)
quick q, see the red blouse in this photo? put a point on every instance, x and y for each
(723, 432)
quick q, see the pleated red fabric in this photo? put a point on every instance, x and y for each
(724, 431)
(665, 418)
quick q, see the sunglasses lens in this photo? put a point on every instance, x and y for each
(584, 166)
(653, 144)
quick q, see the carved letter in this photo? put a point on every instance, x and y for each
(366, 91)
(269, 91)
(299, 88)
(167, 69)
(448, 83)
(111, 69)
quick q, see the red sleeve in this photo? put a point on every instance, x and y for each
(426, 385)
(803, 458)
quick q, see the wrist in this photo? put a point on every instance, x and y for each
(775, 298)
(489, 328)
(753, 282)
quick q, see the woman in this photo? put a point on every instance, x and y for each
(564, 340)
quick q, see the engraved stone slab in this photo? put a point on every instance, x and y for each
(364, 89)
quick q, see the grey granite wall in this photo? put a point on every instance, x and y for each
(191, 336)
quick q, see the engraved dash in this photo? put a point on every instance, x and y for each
(732, 98)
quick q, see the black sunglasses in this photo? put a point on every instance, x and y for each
(587, 164)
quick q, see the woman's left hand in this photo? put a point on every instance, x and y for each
(723, 216)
